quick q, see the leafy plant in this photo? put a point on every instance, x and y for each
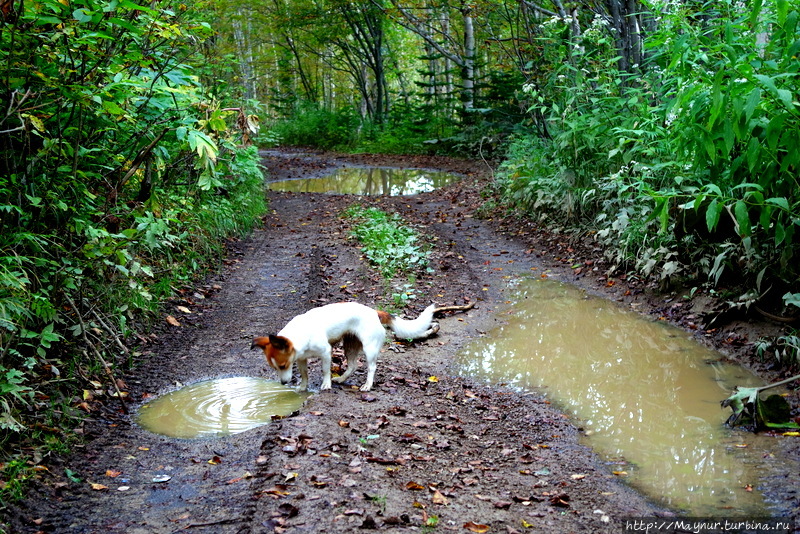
(750, 409)
(387, 243)
(122, 176)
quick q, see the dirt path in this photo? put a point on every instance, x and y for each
(451, 455)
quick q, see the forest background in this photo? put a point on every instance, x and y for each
(665, 130)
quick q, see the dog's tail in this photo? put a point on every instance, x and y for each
(422, 326)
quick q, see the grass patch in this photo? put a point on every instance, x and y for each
(390, 246)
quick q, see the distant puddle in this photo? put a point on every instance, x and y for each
(218, 407)
(645, 391)
(370, 181)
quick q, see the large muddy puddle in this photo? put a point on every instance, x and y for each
(369, 181)
(647, 395)
(219, 407)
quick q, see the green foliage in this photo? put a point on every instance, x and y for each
(311, 126)
(689, 168)
(120, 178)
(749, 408)
(388, 244)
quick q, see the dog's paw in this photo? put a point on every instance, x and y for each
(338, 379)
(366, 387)
(325, 385)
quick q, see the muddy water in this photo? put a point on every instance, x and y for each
(645, 392)
(218, 407)
(370, 181)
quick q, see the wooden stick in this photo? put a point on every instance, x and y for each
(454, 308)
(99, 356)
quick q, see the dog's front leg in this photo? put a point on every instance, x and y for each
(302, 368)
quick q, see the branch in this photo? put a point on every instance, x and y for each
(454, 308)
(99, 356)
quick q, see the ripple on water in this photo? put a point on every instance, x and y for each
(218, 407)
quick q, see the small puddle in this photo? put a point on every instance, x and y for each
(370, 181)
(645, 392)
(218, 407)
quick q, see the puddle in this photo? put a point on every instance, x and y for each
(218, 407)
(370, 181)
(645, 392)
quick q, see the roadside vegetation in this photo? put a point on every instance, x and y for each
(393, 248)
(122, 177)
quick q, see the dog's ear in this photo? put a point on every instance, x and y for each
(260, 342)
(279, 342)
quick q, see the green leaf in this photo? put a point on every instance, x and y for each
(755, 12)
(713, 213)
(786, 99)
(768, 82)
(792, 299)
(752, 101)
(742, 218)
(782, 9)
(82, 15)
(781, 202)
(112, 107)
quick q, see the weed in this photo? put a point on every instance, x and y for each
(380, 500)
(387, 243)
(430, 524)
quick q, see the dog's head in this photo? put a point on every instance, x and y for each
(279, 353)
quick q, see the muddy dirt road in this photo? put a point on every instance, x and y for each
(450, 454)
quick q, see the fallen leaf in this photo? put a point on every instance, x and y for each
(183, 309)
(620, 473)
(112, 473)
(578, 477)
(414, 486)
(791, 434)
(99, 487)
(173, 321)
(216, 460)
(438, 498)
(433, 379)
(476, 527)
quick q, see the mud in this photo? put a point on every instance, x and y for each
(425, 451)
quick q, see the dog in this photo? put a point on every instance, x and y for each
(358, 327)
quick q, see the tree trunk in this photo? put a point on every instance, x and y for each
(245, 52)
(468, 68)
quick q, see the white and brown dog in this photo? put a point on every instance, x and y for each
(358, 327)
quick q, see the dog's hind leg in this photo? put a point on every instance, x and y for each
(371, 351)
(352, 348)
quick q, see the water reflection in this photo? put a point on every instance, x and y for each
(370, 181)
(647, 392)
(218, 407)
